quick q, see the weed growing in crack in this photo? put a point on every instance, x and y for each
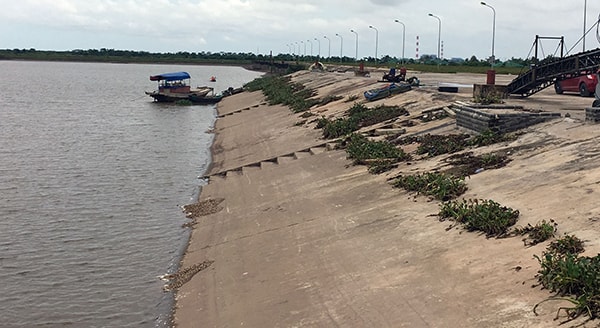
(486, 216)
(379, 155)
(358, 116)
(440, 186)
(280, 90)
(541, 232)
(572, 277)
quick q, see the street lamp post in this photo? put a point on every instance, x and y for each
(304, 47)
(329, 48)
(298, 47)
(319, 42)
(376, 40)
(341, 45)
(310, 47)
(403, 37)
(439, 34)
(493, 31)
(356, 33)
(584, 21)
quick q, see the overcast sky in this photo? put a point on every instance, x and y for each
(283, 26)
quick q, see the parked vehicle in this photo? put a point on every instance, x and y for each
(584, 84)
(387, 90)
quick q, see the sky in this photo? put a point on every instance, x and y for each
(317, 27)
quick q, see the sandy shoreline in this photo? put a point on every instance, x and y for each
(288, 234)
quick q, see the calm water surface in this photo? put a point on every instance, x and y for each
(92, 177)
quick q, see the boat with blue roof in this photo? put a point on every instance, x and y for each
(175, 86)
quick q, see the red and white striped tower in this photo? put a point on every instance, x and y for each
(417, 53)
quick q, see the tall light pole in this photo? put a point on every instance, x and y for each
(403, 37)
(439, 34)
(298, 48)
(310, 47)
(328, 51)
(376, 40)
(341, 45)
(584, 19)
(356, 33)
(319, 42)
(494, 31)
(304, 47)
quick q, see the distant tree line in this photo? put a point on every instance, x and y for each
(231, 58)
(105, 54)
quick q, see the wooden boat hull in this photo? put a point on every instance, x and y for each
(194, 98)
(197, 96)
(206, 99)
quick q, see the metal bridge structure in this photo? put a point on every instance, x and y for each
(548, 71)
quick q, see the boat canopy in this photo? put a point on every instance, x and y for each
(177, 76)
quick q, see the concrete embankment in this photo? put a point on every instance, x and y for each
(301, 238)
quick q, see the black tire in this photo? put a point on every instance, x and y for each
(596, 103)
(557, 88)
(583, 90)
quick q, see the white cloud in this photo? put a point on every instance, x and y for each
(245, 25)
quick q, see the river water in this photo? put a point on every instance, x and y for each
(92, 177)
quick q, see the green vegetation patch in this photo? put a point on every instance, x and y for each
(358, 116)
(280, 90)
(541, 232)
(488, 99)
(486, 216)
(489, 137)
(572, 277)
(440, 186)
(434, 145)
(465, 164)
(567, 244)
(379, 154)
(379, 166)
(369, 116)
(336, 128)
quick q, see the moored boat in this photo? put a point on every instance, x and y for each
(176, 86)
(207, 99)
